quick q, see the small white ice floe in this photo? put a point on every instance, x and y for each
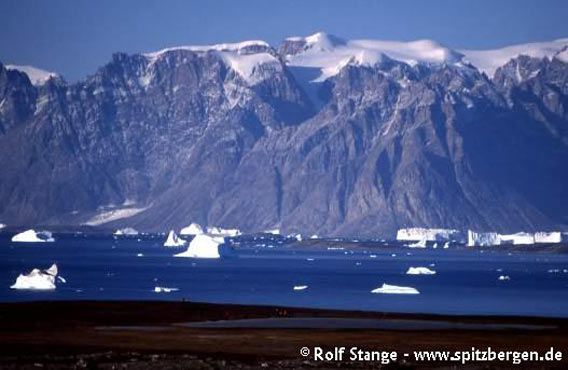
(393, 289)
(140, 255)
(315, 236)
(32, 236)
(162, 289)
(174, 240)
(504, 278)
(357, 263)
(372, 256)
(300, 287)
(420, 271)
(393, 255)
(418, 244)
(37, 279)
(446, 245)
(309, 259)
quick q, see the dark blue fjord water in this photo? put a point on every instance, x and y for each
(264, 271)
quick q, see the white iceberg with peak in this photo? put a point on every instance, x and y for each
(203, 246)
(32, 236)
(218, 231)
(192, 229)
(38, 279)
(420, 271)
(394, 289)
(173, 240)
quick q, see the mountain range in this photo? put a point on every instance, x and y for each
(319, 135)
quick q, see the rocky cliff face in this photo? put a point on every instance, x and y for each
(242, 135)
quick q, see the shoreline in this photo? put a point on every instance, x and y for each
(98, 332)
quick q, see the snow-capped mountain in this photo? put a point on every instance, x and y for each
(319, 135)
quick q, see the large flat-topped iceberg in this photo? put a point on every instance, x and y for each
(192, 229)
(32, 236)
(434, 235)
(394, 289)
(173, 240)
(203, 246)
(37, 279)
(475, 239)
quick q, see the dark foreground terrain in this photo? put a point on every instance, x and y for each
(148, 335)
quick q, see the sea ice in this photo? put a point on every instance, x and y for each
(418, 244)
(126, 231)
(32, 236)
(161, 289)
(393, 289)
(37, 279)
(420, 271)
(192, 229)
(173, 240)
(203, 246)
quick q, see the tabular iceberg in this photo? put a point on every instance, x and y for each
(548, 237)
(420, 271)
(432, 235)
(393, 289)
(223, 232)
(203, 246)
(32, 236)
(174, 240)
(37, 279)
(192, 229)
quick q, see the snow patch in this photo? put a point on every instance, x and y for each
(113, 215)
(37, 76)
(32, 236)
(489, 61)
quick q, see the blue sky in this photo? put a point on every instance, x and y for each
(74, 37)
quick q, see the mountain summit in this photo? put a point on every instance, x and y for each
(320, 135)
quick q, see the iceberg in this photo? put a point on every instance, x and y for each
(173, 240)
(32, 236)
(126, 231)
(162, 289)
(548, 237)
(300, 287)
(517, 238)
(193, 229)
(2, 226)
(482, 239)
(37, 279)
(218, 231)
(504, 278)
(420, 271)
(203, 246)
(431, 235)
(393, 289)
(418, 244)
(272, 231)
